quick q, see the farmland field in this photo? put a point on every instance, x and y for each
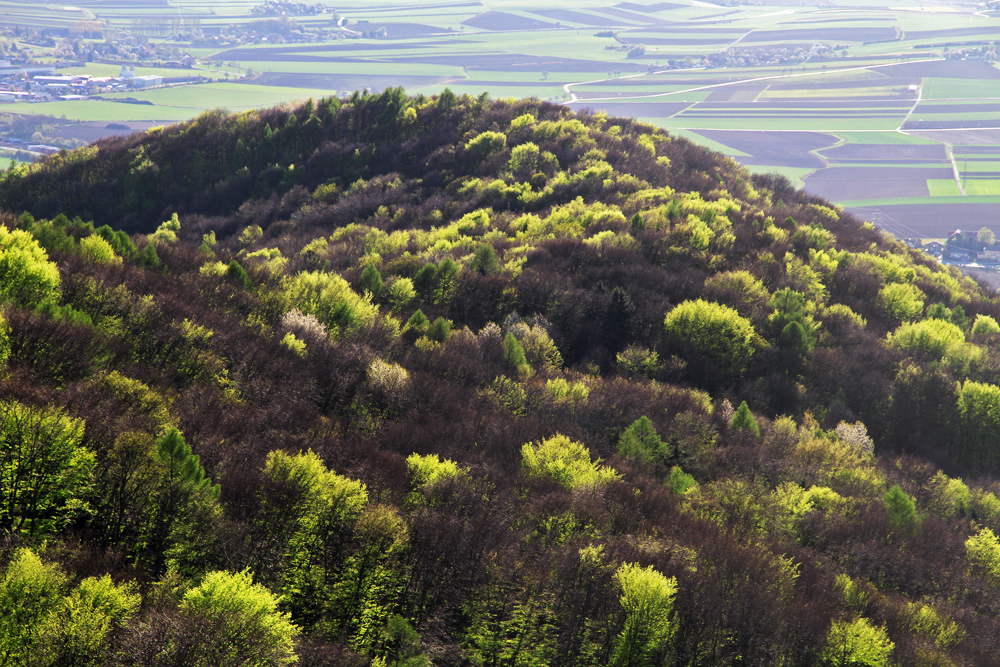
(890, 110)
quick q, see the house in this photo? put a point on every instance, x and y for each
(935, 248)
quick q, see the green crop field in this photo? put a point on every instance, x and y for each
(861, 103)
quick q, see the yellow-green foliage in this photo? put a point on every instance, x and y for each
(741, 286)
(985, 326)
(167, 231)
(983, 552)
(833, 462)
(901, 301)
(45, 626)
(572, 219)
(804, 278)
(133, 394)
(246, 615)
(522, 121)
(826, 212)
(815, 238)
(27, 277)
(795, 502)
(825, 262)
(430, 469)
(962, 360)
(98, 251)
(213, 269)
(857, 643)
(574, 392)
(331, 300)
(524, 158)
(567, 462)
(647, 599)
(839, 311)
(294, 344)
(893, 268)
(270, 258)
(927, 621)
(487, 143)
(718, 332)
(931, 337)
(568, 133)
(316, 489)
(855, 596)
(539, 348)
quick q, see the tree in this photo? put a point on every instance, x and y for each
(743, 420)
(901, 509)
(640, 441)
(27, 277)
(647, 599)
(901, 301)
(45, 472)
(986, 236)
(485, 261)
(715, 332)
(567, 462)
(932, 337)
(524, 159)
(983, 552)
(857, 644)
(371, 281)
(401, 292)
(29, 591)
(513, 356)
(77, 630)
(238, 623)
(237, 274)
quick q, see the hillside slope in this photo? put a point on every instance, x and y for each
(458, 381)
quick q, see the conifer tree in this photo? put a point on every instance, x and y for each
(743, 420)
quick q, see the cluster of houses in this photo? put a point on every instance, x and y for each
(18, 84)
(961, 250)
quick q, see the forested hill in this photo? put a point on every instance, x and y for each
(405, 381)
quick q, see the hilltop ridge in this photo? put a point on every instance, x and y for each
(486, 382)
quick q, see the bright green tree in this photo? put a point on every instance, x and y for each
(932, 337)
(77, 630)
(640, 441)
(27, 277)
(567, 462)
(401, 292)
(371, 280)
(743, 420)
(717, 332)
(45, 471)
(29, 591)
(238, 623)
(901, 508)
(647, 599)
(983, 551)
(513, 356)
(857, 644)
(901, 301)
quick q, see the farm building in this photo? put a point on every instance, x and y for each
(148, 81)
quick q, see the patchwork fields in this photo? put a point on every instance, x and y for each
(892, 111)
